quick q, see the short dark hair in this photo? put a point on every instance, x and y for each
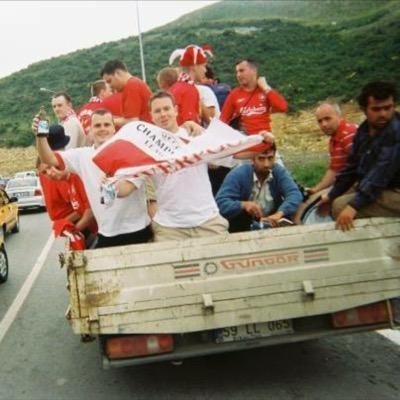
(111, 66)
(63, 94)
(209, 72)
(100, 111)
(249, 61)
(379, 90)
(272, 147)
(162, 94)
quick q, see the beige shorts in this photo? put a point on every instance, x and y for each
(213, 226)
(386, 205)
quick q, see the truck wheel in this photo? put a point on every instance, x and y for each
(3, 265)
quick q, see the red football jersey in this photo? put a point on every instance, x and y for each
(135, 100)
(254, 109)
(187, 99)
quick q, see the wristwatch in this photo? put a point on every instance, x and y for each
(42, 135)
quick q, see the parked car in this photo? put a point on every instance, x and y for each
(25, 174)
(27, 190)
(9, 213)
(3, 260)
(3, 181)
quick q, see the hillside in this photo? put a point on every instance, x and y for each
(309, 50)
(311, 11)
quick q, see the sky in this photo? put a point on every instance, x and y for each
(32, 31)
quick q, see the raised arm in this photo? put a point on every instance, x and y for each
(45, 153)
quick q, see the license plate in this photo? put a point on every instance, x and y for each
(22, 194)
(254, 331)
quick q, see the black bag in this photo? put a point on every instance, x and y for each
(235, 123)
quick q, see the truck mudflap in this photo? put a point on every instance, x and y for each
(232, 280)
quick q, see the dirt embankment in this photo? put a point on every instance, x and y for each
(296, 135)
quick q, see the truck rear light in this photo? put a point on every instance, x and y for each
(365, 315)
(138, 345)
(37, 192)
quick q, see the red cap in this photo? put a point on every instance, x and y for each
(191, 55)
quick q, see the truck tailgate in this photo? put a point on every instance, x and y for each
(227, 280)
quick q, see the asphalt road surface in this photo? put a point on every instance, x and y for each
(40, 357)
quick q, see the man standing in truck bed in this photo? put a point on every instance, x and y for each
(185, 204)
(252, 102)
(135, 92)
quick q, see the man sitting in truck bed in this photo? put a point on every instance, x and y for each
(185, 204)
(369, 184)
(262, 191)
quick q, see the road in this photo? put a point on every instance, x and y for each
(40, 357)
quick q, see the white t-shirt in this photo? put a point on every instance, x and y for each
(74, 130)
(125, 215)
(209, 99)
(184, 198)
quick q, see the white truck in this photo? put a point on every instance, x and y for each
(173, 300)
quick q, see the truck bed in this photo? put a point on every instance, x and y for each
(233, 279)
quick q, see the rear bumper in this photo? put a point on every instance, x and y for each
(200, 344)
(199, 350)
(32, 202)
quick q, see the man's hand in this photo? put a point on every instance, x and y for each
(268, 137)
(324, 206)
(192, 128)
(35, 124)
(345, 219)
(151, 208)
(273, 219)
(310, 191)
(263, 85)
(252, 208)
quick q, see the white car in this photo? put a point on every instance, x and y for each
(25, 174)
(27, 190)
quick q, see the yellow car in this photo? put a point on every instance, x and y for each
(3, 261)
(9, 214)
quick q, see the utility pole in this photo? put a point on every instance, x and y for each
(140, 43)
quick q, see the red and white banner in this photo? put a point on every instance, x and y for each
(143, 149)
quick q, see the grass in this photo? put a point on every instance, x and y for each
(307, 171)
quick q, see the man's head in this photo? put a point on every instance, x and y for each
(101, 126)
(328, 116)
(378, 101)
(164, 111)
(57, 138)
(167, 77)
(264, 162)
(210, 73)
(100, 89)
(115, 74)
(197, 72)
(246, 73)
(193, 60)
(61, 104)
(51, 172)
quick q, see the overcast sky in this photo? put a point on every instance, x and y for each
(31, 31)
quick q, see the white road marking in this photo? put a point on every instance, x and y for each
(392, 335)
(12, 312)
